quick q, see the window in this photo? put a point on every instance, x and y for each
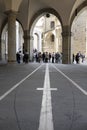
(52, 38)
(52, 25)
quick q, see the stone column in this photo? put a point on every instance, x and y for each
(0, 49)
(66, 45)
(26, 41)
(11, 36)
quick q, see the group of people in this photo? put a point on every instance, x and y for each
(47, 57)
(79, 57)
(22, 57)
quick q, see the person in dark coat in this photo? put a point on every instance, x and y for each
(18, 57)
(26, 57)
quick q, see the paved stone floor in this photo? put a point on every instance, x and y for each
(34, 94)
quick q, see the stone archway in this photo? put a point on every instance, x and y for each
(48, 29)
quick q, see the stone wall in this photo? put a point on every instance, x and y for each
(79, 35)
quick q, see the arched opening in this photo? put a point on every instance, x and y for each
(4, 41)
(79, 35)
(46, 34)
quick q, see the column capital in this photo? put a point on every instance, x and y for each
(66, 31)
(11, 12)
(26, 35)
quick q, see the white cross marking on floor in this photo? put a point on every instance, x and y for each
(46, 119)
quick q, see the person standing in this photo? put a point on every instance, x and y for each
(18, 57)
(49, 56)
(53, 57)
(26, 57)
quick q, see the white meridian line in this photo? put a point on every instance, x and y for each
(15, 86)
(46, 120)
(75, 84)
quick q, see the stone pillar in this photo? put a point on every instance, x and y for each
(11, 36)
(66, 45)
(26, 41)
(0, 49)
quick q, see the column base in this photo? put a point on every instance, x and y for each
(12, 61)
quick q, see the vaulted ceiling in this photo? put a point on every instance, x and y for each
(28, 8)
